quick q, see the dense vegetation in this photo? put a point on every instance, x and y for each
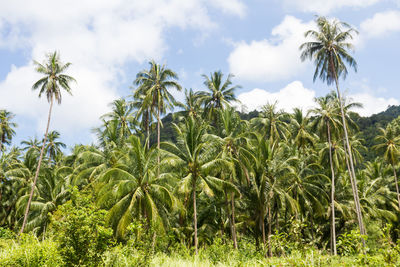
(206, 184)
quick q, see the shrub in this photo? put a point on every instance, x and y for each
(29, 251)
(80, 230)
(350, 243)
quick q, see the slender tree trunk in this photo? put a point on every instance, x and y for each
(233, 222)
(397, 185)
(333, 232)
(262, 227)
(195, 216)
(148, 128)
(359, 214)
(158, 141)
(269, 230)
(352, 179)
(37, 169)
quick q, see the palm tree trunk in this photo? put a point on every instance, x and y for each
(158, 140)
(353, 187)
(355, 192)
(148, 128)
(37, 169)
(269, 230)
(233, 226)
(397, 185)
(262, 227)
(195, 216)
(333, 232)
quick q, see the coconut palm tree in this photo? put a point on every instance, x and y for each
(51, 192)
(122, 113)
(329, 50)
(6, 128)
(232, 138)
(326, 119)
(220, 93)
(53, 147)
(269, 168)
(300, 130)
(197, 159)
(272, 123)
(50, 85)
(131, 189)
(389, 141)
(192, 102)
(144, 111)
(154, 84)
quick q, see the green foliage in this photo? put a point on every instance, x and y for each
(80, 230)
(29, 251)
(6, 233)
(349, 244)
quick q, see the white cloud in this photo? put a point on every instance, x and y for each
(371, 103)
(381, 24)
(271, 59)
(326, 6)
(98, 37)
(234, 7)
(295, 95)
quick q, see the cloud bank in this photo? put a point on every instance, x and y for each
(295, 95)
(99, 39)
(272, 59)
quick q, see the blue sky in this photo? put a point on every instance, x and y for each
(108, 42)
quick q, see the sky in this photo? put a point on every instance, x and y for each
(109, 42)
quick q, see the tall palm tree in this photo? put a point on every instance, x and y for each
(155, 84)
(51, 84)
(389, 141)
(6, 127)
(196, 158)
(329, 50)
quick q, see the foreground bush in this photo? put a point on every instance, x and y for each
(29, 251)
(81, 233)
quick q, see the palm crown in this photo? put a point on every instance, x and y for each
(329, 49)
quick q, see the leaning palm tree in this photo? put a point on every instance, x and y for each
(6, 128)
(154, 85)
(329, 51)
(389, 141)
(51, 84)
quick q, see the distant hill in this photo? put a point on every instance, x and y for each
(368, 126)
